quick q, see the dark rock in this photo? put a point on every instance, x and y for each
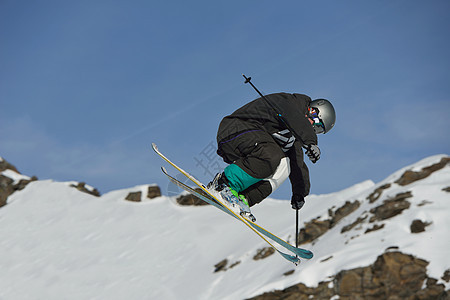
(446, 276)
(221, 266)
(153, 192)
(313, 230)
(235, 264)
(134, 196)
(374, 228)
(289, 273)
(397, 274)
(353, 225)
(4, 165)
(418, 226)
(299, 292)
(191, 199)
(393, 275)
(6, 189)
(348, 282)
(447, 189)
(412, 176)
(377, 193)
(81, 186)
(424, 202)
(263, 253)
(391, 207)
(433, 292)
(326, 259)
(24, 182)
(344, 211)
(431, 281)
(391, 248)
(7, 186)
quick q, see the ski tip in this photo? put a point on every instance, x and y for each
(164, 170)
(154, 147)
(303, 253)
(308, 255)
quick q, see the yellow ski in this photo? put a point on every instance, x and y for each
(253, 226)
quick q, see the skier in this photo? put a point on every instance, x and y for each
(257, 143)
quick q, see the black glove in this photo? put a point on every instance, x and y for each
(297, 201)
(313, 152)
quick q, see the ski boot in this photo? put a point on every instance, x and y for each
(237, 202)
(244, 207)
(220, 189)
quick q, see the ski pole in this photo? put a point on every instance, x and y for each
(277, 114)
(296, 229)
(248, 80)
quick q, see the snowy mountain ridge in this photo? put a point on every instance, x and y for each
(57, 242)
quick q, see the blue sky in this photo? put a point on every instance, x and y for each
(86, 86)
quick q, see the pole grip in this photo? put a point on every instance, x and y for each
(248, 80)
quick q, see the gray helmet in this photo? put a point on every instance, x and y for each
(323, 114)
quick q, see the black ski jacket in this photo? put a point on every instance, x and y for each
(258, 114)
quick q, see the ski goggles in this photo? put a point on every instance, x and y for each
(313, 114)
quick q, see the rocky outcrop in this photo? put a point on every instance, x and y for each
(418, 226)
(4, 165)
(134, 197)
(377, 193)
(312, 230)
(191, 199)
(260, 254)
(288, 273)
(393, 275)
(374, 228)
(153, 191)
(223, 265)
(7, 185)
(391, 207)
(81, 186)
(315, 228)
(352, 225)
(343, 211)
(299, 292)
(6, 189)
(411, 176)
(263, 253)
(446, 276)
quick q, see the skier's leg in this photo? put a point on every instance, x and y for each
(261, 190)
(255, 156)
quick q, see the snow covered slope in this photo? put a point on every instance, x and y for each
(59, 243)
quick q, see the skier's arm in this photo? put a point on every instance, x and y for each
(299, 175)
(294, 114)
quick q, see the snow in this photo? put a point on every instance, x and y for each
(14, 175)
(57, 242)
